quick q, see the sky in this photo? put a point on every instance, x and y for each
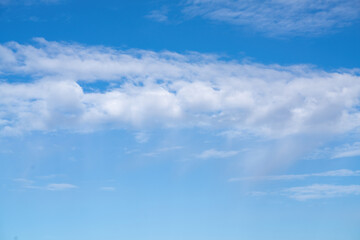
(183, 119)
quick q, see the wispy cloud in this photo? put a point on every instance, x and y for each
(161, 89)
(317, 191)
(59, 186)
(347, 151)
(162, 150)
(30, 184)
(279, 17)
(142, 137)
(335, 173)
(212, 153)
(23, 181)
(51, 176)
(352, 153)
(158, 15)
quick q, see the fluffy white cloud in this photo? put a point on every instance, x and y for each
(279, 17)
(317, 191)
(49, 86)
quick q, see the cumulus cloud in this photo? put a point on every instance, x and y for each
(335, 173)
(49, 86)
(317, 191)
(279, 17)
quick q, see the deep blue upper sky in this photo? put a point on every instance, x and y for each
(124, 24)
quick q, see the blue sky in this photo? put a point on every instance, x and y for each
(191, 119)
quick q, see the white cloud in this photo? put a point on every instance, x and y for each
(348, 151)
(167, 89)
(162, 150)
(142, 137)
(23, 181)
(335, 173)
(317, 191)
(51, 176)
(30, 184)
(59, 186)
(158, 15)
(338, 173)
(257, 194)
(348, 154)
(212, 153)
(279, 17)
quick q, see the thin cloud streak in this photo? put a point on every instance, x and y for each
(162, 150)
(213, 153)
(158, 15)
(30, 184)
(59, 186)
(335, 173)
(298, 17)
(352, 150)
(319, 191)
